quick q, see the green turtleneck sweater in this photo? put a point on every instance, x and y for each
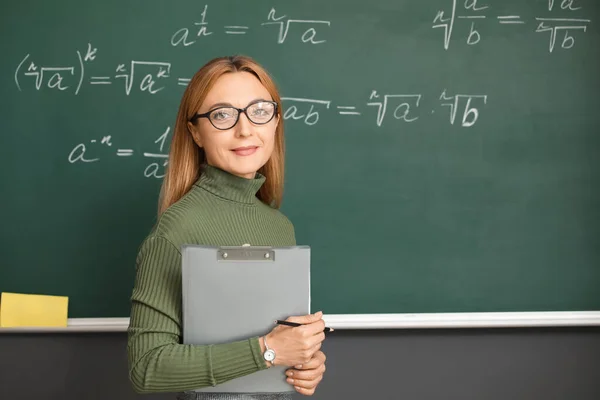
(221, 209)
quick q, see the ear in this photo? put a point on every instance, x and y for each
(195, 133)
(277, 121)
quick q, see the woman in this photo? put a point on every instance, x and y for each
(223, 187)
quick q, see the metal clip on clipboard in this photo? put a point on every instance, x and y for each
(245, 253)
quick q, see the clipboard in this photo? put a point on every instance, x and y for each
(232, 293)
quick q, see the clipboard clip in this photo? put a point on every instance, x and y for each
(245, 253)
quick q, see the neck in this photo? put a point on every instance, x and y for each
(242, 189)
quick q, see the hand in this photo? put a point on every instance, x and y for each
(306, 377)
(296, 345)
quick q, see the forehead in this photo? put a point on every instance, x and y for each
(236, 88)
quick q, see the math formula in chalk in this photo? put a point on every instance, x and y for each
(561, 30)
(87, 152)
(402, 107)
(305, 30)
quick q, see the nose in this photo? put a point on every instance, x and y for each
(244, 126)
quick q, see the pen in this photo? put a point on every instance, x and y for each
(279, 322)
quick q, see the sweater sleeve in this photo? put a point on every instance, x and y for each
(158, 361)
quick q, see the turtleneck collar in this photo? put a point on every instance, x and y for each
(229, 186)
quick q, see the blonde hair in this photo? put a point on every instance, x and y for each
(186, 158)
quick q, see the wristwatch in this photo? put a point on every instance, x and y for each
(269, 354)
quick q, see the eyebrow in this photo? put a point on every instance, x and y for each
(216, 105)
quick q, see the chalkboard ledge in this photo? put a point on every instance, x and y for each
(376, 321)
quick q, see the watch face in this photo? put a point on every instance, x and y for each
(269, 355)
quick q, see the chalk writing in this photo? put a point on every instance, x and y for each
(401, 107)
(311, 117)
(187, 36)
(473, 11)
(470, 114)
(54, 77)
(559, 25)
(78, 152)
(65, 77)
(309, 35)
(159, 70)
(401, 111)
(181, 36)
(564, 4)
(153, 170)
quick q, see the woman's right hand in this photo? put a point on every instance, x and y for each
(296, 345)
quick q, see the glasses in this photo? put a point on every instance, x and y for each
(259, 112)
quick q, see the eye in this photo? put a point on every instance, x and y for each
(260, 112)
(222, 114)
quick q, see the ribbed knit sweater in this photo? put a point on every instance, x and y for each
(221, 209)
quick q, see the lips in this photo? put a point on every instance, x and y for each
(245, 151)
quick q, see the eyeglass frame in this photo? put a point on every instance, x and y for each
(206, 115)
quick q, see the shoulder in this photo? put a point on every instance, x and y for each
(280, 219)
(284, 219)
(182, 216)
(175, 221)
(274, 212)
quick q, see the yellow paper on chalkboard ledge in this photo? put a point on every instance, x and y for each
(33, 310)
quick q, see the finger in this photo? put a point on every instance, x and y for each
(305, 392)
(305, 384)
(307, 375)
(306, 319)
(314, 328)
(321, 356)
(317, 360)
(312, 364)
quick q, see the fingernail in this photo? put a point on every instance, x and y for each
(298, 366)
(297, 387)
(290, 380)
(319, 313)
(290, 373)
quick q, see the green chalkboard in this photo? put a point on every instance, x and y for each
(442, 155)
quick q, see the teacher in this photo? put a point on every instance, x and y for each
(223, 187)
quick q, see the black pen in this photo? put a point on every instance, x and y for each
(279, 322)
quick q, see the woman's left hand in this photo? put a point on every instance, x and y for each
(305, 378)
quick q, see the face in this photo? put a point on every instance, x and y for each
(246, 147)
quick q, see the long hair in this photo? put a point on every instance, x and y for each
(186, 157)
